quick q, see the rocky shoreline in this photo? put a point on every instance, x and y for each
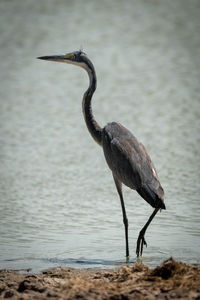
(170, 280)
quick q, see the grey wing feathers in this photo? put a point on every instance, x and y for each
(120, 155)
(123, 164)
(131, 164)
(151, 189)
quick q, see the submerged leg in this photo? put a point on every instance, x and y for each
(141, 240)
(125, 220)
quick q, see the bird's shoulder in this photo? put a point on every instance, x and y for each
(119, 138)
(123, 151)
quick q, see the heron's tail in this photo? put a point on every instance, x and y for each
(151, 197)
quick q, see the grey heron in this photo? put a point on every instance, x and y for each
(127, 158)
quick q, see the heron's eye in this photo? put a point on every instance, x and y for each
(70, 56)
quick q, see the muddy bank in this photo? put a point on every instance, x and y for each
(170, 280)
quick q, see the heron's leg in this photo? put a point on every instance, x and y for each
(141, 240)
(125, 219)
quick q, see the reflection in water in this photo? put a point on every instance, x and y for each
(58, 198)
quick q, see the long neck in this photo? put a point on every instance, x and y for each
(93, 127)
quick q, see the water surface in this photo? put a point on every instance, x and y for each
(58, 203)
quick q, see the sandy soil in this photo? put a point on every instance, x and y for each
(170, 280)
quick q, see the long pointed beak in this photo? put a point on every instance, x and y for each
(58, 58)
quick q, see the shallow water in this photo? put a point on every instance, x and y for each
(58, 203)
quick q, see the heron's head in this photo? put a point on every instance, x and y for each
(77, 58)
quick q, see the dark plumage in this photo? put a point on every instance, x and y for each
(131, 164)
(126, 157)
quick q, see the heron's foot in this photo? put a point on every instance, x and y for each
(127, 259)
(140, 243)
